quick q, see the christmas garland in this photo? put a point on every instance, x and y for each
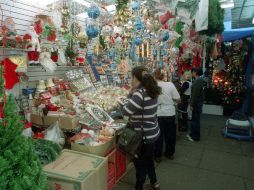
(46, 151)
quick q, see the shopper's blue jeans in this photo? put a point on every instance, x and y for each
(195, 123)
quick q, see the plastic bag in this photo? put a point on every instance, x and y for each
(55, 134)
(27, 132)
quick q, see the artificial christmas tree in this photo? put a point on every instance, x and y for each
(20, 168)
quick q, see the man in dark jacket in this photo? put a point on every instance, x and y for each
(196, 103)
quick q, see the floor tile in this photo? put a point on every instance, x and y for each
(178, 177)
(226, 163)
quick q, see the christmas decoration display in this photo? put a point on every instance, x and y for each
(229, 78)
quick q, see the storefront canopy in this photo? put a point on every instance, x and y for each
(236, 34)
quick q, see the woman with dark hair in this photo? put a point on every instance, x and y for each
(166, 117)
(141, 107)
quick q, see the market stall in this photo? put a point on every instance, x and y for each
(67, 65)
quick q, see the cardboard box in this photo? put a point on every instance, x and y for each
(65, 122)
(69, 122)
(100, 150)
(77, 171)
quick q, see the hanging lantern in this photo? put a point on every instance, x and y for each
(93, 12)
(92, 31)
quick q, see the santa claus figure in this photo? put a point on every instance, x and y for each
(32, 46)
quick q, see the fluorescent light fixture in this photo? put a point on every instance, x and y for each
(253, 20)
(82, 15)
(227, 4)
(87, 4)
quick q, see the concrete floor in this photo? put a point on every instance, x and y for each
(214, 163)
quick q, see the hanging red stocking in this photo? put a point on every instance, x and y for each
(10, 75)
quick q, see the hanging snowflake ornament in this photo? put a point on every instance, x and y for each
(93, 12)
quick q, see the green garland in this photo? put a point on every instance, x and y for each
(215, 19)
(20, 168)
(47, 151)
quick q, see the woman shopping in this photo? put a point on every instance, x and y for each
(141, 108)
(185, 93)
(166, 117)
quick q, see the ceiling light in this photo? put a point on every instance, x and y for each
(253, 20)
(227, 4)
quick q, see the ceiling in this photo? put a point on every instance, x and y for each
(242, 14)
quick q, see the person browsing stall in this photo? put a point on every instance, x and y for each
(166, 117)
(141, 105)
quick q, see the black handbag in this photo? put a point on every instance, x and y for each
(130, 141)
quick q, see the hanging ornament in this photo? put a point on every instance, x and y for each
(165, 36)
(164, 18)
(135, 6)
(138, 41)
(93, 12)
(138, 24)
(75, 30)
(92, 31)
(65, 17)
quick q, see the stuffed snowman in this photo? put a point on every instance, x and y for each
(33, 46)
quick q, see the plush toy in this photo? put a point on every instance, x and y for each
(32, 46)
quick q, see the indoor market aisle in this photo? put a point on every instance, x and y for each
(214, 163)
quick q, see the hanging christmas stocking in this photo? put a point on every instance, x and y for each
(10, 75)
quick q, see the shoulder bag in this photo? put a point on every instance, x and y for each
(130, 141)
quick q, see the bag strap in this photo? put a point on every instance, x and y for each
(143, 109)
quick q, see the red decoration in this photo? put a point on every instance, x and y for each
(164, 18)
(52, 36)
(38, 27)
(54, 57)
(165, 26)
(10, 76)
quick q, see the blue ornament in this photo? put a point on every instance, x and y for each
(138, 41)
(111, 54)
(92, 31)
(93, 12)
(138, 24)
(165, 36)
(154, 52)
(135, 6)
